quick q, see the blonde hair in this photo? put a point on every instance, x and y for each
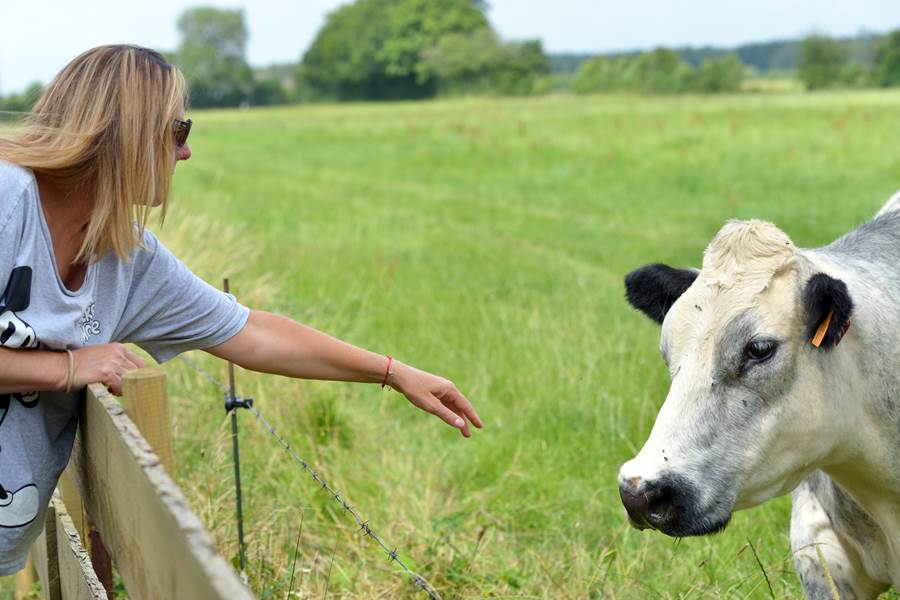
(104, 125)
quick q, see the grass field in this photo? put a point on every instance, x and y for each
(487, 240)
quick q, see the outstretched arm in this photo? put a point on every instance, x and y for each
(272, 343)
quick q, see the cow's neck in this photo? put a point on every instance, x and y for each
(883, 506)
(862, 376)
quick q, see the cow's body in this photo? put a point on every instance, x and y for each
(756, 411)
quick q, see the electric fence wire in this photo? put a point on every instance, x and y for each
(363, 525)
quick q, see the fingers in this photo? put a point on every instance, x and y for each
(440, 397)
(462, 406)
(106, 364)
(127, 361)
(465, 426)
(448, 416)
(135, 360)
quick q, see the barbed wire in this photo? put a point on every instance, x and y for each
(363, 525)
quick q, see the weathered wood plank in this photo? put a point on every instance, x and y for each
(158, 545)
(25, 578)
(45, 557)
(76, 578)
(74, 508)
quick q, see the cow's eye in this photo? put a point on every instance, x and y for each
(760, 350)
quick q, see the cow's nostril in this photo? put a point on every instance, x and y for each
(636, 504)
(660, 503)
(652, 505)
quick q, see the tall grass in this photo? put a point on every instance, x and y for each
(487, 240)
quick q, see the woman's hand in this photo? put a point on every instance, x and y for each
(272, 343)
(104, 363)
(435, 395)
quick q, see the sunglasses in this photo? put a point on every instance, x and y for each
(181, 129)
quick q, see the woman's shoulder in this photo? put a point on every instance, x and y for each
(14, 183)
(145, 253)
(13, 178)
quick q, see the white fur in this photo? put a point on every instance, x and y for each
(891, 205)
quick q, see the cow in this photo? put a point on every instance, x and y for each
(785, 377)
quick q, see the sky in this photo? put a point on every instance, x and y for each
(38, 37)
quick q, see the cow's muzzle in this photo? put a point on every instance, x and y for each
(668, 504)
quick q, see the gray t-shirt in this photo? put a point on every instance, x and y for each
(153, 300)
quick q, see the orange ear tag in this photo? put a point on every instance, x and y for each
(820, 332)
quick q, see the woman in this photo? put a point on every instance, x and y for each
(82, 276)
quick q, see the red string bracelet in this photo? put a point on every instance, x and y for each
(387, 372)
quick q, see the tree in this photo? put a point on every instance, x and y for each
(822, 62)
(416, 25)
(341, 62)
(481, 62)
(372, 49)
(886, 71)
(525, 61)
(717, 75)
(462, 63)
(601, 74)
(212, 56)
(661, 71)
(15, 105)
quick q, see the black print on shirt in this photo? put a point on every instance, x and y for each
(20, 507)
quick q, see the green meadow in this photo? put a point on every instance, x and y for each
(486, 240)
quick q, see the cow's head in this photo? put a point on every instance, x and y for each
(739, 423)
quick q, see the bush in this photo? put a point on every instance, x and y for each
(481, 63)
(822, 62)
(719, 75)
(15, 105)
(887, 61)
(662, 71)
(604, 75)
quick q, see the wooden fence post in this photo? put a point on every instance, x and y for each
(25, 580)
(45, 555)
(146, 403)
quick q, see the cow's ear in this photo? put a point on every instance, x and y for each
(827, 308)
(653, 289)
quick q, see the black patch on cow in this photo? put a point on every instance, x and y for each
(821, 295)
(17, 295)
(653, 289)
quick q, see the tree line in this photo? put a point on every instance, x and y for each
(661, 71)
(412, 49)
(817, 61)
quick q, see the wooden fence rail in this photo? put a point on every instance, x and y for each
(119, 485)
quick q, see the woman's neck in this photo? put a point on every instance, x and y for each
(67, 210)
(66, 205)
